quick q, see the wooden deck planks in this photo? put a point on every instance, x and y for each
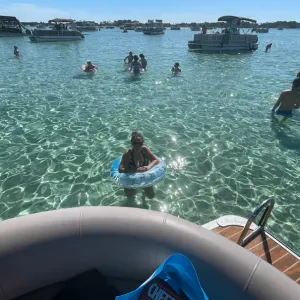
(267, 249)
(294, 271)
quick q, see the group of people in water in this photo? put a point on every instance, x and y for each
(138, 64)
(139, 158)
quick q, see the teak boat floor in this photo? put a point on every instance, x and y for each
(267, 248)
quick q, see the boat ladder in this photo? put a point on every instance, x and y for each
(267, 206)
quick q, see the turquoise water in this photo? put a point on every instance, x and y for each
(60, 129)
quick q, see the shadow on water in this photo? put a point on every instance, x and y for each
(284, 134)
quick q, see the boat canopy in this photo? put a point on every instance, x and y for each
(58, 20)
(229, 19)
(8, 18)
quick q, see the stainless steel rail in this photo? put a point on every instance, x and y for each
(268, 206)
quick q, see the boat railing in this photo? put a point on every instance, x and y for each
(267, 207)
(225, 38)
(53, 32)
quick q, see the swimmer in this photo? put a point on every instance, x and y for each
(136, 66)
(289, 99)
(176, 68)
(143, 61)
(138, 159)
(129, 58)
(16, 51)
(89, 67)
(268, 47)
(298, 75)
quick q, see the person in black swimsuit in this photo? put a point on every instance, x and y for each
(138, 159)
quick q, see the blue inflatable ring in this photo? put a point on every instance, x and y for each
(140, 179)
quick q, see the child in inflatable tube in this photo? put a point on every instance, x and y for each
(138, 159)
(89, 67)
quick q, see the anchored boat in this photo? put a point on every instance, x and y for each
(229, 40)
(63, 30)
(262, 30)
(195, 28)
(154, 28)
(40, 251)
(175, 27)
(11, 26)
(87, 26)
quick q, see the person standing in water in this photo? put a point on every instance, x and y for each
(16, 51)
(138, 159)
(176, 68)
(129, 58)
(288, 100)
(136, 66)
(143, 61)
(268, 47)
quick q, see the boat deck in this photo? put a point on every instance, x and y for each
(268, 249)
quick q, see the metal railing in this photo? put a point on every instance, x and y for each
(268, 206)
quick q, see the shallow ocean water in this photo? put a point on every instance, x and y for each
(60, 129)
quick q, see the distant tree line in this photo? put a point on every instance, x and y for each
(284, 24)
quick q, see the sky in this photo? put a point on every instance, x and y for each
(168, 10)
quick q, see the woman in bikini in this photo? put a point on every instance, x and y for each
(138, 159)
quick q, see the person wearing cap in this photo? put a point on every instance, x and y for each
(89, 66)
(16, 51)
(288, 100)
(176, 68)
(129, 58)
